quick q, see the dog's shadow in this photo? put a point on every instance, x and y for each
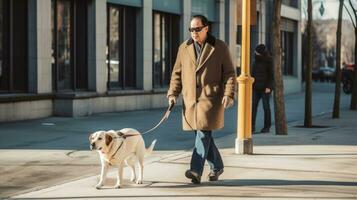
(110, 182)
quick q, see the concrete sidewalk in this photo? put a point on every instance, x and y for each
(318, 163)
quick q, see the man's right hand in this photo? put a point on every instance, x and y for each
(172, 99)
(267, 90)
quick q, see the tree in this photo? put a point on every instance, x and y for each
(308, 71)
(279, 105)
(336, 103)
(353, 104)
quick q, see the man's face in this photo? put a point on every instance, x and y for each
(198, 32)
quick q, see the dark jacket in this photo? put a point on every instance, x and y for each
(262, 72)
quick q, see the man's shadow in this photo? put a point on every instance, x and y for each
(249, 182)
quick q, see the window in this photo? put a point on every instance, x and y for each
(287, 45)
(165, 46)
(3, 82)
(121, 47)
(292, 3)
(69, 44)
(254, 41)
(13, 46)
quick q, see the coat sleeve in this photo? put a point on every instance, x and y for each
(229, 75)
(176, 80)
(270, 80)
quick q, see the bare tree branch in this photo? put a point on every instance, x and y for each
(353, 8)
(353, 21)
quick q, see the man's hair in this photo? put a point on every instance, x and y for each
(203, 19)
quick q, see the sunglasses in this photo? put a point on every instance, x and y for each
(196, 29)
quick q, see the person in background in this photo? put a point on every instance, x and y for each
(262, 72)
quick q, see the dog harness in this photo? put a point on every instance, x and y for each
(121, 135)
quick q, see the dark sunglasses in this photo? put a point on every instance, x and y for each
(196, 29)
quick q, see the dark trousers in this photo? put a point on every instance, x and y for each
(205, 149)
(257, 95)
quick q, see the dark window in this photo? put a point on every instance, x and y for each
(254, 41)
(292, 3)
(121, 47)
(287, 45)
(69, 45)
(13, 46)
(165, 46)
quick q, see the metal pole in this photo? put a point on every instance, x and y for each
(244, 142)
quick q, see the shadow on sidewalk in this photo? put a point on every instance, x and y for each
(222, 183)
(250, 182)
(307, 154)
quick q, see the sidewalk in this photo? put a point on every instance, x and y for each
(317, 163)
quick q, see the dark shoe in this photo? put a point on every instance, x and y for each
(195, 178)
(213, 175)
(265, 130)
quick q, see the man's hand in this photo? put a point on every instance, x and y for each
(227, 102)
(172, 99)
(267, 90)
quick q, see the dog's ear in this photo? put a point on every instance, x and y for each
(90, 137)
(108, 139)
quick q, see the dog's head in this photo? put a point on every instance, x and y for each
(101, 140)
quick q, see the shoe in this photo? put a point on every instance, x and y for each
(214, 174)
(195, 178)
(265, 130)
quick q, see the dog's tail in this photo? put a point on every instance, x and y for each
(151, 148)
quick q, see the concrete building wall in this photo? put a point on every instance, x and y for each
(97, 39)
(292, 84)
(43, 102)
(147, 44)
(40, 73)
(25, 110)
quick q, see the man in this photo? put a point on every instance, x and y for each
(262, 71)
(204, 73)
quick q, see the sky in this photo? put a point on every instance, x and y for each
(331, 9)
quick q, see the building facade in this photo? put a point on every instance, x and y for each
(79, 57)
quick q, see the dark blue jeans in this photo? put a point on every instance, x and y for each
(257, 95)
(205, 149)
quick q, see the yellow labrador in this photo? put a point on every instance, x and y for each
(125, 146)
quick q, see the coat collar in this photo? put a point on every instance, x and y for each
(206, 52)
(210, 40)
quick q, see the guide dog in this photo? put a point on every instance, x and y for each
(118, 148)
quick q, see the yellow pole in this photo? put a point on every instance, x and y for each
(244, 142)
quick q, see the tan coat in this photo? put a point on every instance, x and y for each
(203, 84)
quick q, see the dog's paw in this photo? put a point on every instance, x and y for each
(98, 186)
(132, 179)
(139, 181)
(117, 186)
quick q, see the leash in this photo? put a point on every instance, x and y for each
(121, 135)
(166, 115)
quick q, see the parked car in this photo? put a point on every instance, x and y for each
(347, 77)
(315, 74)
(327, 74)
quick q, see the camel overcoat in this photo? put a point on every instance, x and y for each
(203, 84)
